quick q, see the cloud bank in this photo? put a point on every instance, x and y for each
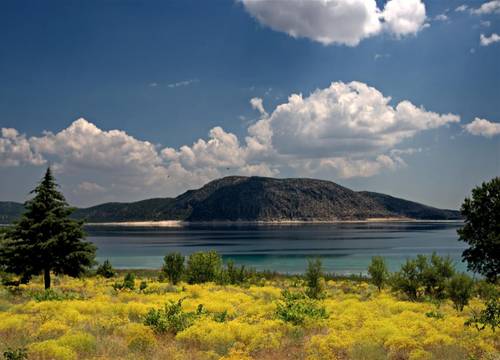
(483, 127)
(344, 130)
(339, 21)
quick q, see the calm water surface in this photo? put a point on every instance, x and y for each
(344, 248)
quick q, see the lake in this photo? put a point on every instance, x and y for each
(345, 248)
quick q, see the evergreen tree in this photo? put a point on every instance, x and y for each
(378, 272)
(45, 239)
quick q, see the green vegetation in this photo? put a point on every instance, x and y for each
(106, 269)
(460, 289)
(203, 267)
(45, 239)
(173, 267)
(378, 272)
(314, 279)
(297, 308)
(482, 229)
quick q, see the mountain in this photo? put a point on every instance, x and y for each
(258, 199)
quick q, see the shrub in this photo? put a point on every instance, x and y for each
(172, 319)
(203, 267)
(15, 354)
(128, 283)
(460, 290)
(424, 275)
(296, 308)
(143, 285)
(490, 316)
(173, 267)
(313, 279)
(54, 295)
(106, 270)
(235, 274)
(378, 272)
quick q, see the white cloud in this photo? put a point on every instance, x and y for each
(489, 7)
(485, 23)
(90, 187)
(486, 41)
(461, 8)
(16, 150)
(441, 17)
(182, 83)
(338, 21)
(341, 131)
(483, 127)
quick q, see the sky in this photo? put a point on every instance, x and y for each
(128, 100)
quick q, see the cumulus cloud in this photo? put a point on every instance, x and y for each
(344, 130)
(16, 150)
(338, 21)
(483, 127)
(441, 17)
(461, 8)
(489, 7)
(486, 41)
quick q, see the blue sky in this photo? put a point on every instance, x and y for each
(167, 72)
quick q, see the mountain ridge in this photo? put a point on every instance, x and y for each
(240, 198)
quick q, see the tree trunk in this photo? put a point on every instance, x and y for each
(46, 278)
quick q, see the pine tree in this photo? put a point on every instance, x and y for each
(45, 239)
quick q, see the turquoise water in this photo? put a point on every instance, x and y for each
(343, 248)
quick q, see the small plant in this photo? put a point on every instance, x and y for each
(490, 316)
(172, 319)
(313, 277)
(378, 272)
(297, 308)
(173, 267)
(143, 286)
(460, 290)
(106, 270)
(15, 354)
(435, 315)
(128, 283)
(203, 267)
(220, 316)
(53, 295)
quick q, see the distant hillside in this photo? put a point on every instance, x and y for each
(10, 211)
(412, 209)
(258, 199)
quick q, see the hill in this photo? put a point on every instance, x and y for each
(255, 198)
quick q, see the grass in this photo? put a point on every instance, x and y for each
(88, 319)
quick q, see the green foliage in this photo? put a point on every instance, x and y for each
(313, 278)
(490, 316)
(486, 290)
(106, 269)
(53, 295)
(15, 354)
(378, 272)
(45, 239)
(233, 274)
(220, 316)
(172, 319)
(173, 267)
(459, 290)
(435, 315)
(482, 229)
(297, 308)
(143, 285)
(424, 276)
(203, 267)
(128, 283)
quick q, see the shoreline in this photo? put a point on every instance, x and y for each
(182, 223)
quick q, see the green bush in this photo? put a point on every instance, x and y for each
(106, 270)
(232, 274)
(490, 316)
(460, 290)
(53, 295)
(424, 276)
(128, 283)
(143, 285)
(203, 267)
(172, 319)
(173, 267)
(15, 354)
(313, 278)
(378, 272)
(297, 308)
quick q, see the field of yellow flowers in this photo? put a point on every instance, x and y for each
(92, 320)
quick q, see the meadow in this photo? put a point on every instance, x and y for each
(92, 318)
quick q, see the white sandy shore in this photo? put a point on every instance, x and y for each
(180, 223)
